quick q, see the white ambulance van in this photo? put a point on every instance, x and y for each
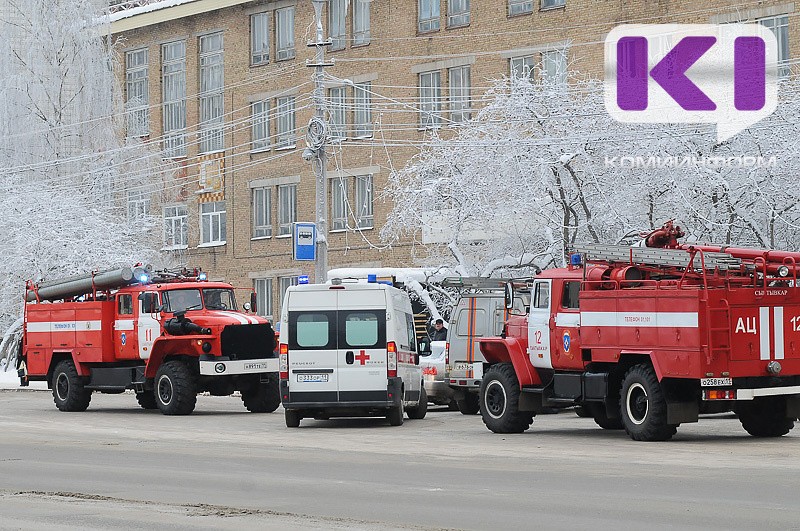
(348, 349)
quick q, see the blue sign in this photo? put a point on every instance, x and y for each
(305, 241)
(302, 279)
(123, 338)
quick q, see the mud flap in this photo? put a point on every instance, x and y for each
(793, 407)
(530, 401)
(682, 412)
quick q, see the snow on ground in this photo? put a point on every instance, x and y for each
(9, 380)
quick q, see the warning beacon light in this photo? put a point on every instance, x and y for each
(575, 260)
(202, 276)
(144, 278)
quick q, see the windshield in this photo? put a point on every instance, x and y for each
(179, 300)
(219, 299)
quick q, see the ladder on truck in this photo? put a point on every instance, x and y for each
(650, 256)
(474, 283)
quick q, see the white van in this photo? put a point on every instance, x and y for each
(349, 349)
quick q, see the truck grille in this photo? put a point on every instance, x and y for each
(248, 342)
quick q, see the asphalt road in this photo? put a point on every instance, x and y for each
(117, 466)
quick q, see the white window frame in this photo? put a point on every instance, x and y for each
(361, 22)
(362, 110)
(338, 204)
(337, 96)
(779, 25)
(213, 224)
(457, 13)
(365, 195)
(552, 4)
(522, 66)
(287, 208)
(459, 83)
(284, 34)
(519, 7)
(259, 39)
(175, 227)
(337, 23)
(286, 137)
(138, 204)
(428, 14)
(137, 93)
(263, 289)
(262, 212)
(173, 97)
(211, 99)
(430, 99)
(259, 120)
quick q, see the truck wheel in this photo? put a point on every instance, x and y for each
(470, 404)
(499, 401)
(292, 417)
(263, 397)
(68, 391)
(643, 407)
(598, 412)
(395, 414)
(418, 412)
(147, 400)
(765, 417)
(175, 388)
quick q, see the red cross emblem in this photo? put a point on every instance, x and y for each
(363, 357)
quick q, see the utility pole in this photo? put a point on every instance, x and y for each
(316, 138)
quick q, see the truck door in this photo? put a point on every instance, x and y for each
(125, 340)
(567, 352)
(539, 320)
(148, 327)
(361, 357)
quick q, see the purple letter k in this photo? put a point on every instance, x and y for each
(670, 73)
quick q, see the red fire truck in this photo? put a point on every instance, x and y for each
(167, 336)
(646, 338)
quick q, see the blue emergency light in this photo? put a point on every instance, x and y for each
(144, 278)
(302, 279)
(202, 276)
(575, 259)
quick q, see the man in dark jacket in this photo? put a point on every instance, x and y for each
(439, 332)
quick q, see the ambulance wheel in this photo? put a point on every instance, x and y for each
(147, 400)
(470, 404)
(68, 391)
(175, 388)
(765, 417)
(263, 397)
(499, 401)
(643, 406)
(395, 415)
(418, 412)
(292, 418)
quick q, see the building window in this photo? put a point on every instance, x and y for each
(519, 7)
(259, 112)
(780, 27)
(459, 83)
(213, 222)
(136, 91)
(337, 12)
(212, 84)
(262, 208)
(457, 13)
(337, 97)
(522, 66)
(263, 288)
(173, 83)
(287, 208)
(361, 22)
(339, 203)
(259, 39)
(284, 29)
(176, 227)
(283, 284)
(138, 204)
(286, 129)
(364, 215)
(547, 4)
(430, 99)
(362, 113)
(554, 66)
(428, 15)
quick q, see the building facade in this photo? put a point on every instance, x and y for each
(223, 88)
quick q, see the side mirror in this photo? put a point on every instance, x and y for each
(509, 296)
(246, 306)
(424, 347)
(253, 307)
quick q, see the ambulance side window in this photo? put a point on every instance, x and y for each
(478, 325)
(362, 329)
(569, 298)
(125, 304)
(412, 334)
(312, 330)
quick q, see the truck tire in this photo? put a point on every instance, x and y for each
(418, 412)
(598, 412)
(147, 400)
(292, 418)
(69, 393)
(175, 388)
(263, 397)
(395, 414)
(643, 407)
(499, 401)
(470, 404)
(765, 417)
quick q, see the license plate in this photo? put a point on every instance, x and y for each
(458, 366)
(715, 382)
(312, 378)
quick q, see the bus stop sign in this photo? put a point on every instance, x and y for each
(304, 241)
